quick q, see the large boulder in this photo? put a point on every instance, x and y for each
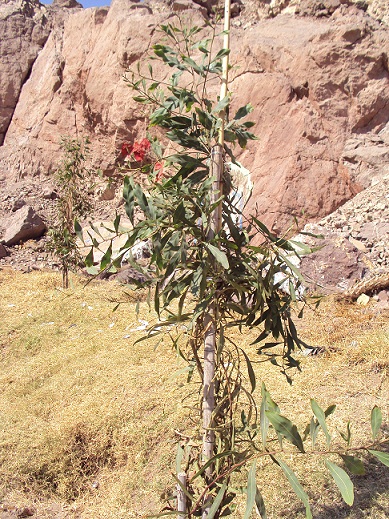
(23, 225)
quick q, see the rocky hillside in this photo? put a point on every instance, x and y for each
(315, 72)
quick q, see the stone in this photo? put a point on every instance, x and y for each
(383, 295)
(358, 244)
(3, 251)
(363, 300)
(18, 204)
(108, 194)
(23, 225)
(335, 266)
(24, 30)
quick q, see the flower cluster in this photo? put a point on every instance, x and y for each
(138, 150)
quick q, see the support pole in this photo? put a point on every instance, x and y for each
(210, 318)
(181, 497)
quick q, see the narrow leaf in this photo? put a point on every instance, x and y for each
(251, 491)
(260, 504)
(179, 456)
(286, 428)
(219, 255)
(376, 420)
(216, 504)
(353, 464)
(295, 484)
(243, 111)
(250, 371)
(321, 418)
(106, 259)
(342, 481)
(78, 230)
(222, 104)
(382, 456)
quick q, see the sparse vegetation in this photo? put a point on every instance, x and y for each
(84, 388)
(73, 202)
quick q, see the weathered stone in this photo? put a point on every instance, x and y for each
(333, 267)
(383, 295)
(3, 251)
(18, 204)
(363, 300)
(23, 32)
(23, 225)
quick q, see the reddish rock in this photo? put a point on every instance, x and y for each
(23, 32)
(315, 83)
(3, 251)
(333, 267)
(23, 225)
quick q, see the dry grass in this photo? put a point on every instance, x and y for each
(87, 418)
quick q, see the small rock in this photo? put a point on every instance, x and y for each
(18, 204)
(358, 244)
(383, 296)
(49, 193)
(3, 251)
(26, 511)
(363, 299)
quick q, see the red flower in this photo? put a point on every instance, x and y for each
(126, 149)
(138, 149)
(158, 169)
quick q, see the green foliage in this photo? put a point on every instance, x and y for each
(73, 202)
(194, 268)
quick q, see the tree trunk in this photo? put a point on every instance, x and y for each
(210, 327)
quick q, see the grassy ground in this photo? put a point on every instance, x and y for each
(89, 420)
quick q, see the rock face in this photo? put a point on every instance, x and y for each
(24, 29)
(23, 225)
(316, 74)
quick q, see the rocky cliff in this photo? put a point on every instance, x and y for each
(315, 72)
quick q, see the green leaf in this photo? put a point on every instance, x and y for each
(116, 223)
(89, 261)
(106, 259)
(92, 270)
(216, 504)
(210, 462)
(382, 456)
(376, 421)
(353, 464)
(295, 484)
(342, 481)
(319, 413)
(78, 230)
(222, 104)
(219, 255)
(243, 111)
(260, 504)
(346, 437)
(221, 54)
(251, 490)
(286, 428)
(250, 371)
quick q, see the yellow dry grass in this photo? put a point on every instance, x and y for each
(88, 418)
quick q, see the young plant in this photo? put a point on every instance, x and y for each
(208, 280)
(73, 202)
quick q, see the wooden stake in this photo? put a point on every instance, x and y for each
(210, 319)
(181, 497)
